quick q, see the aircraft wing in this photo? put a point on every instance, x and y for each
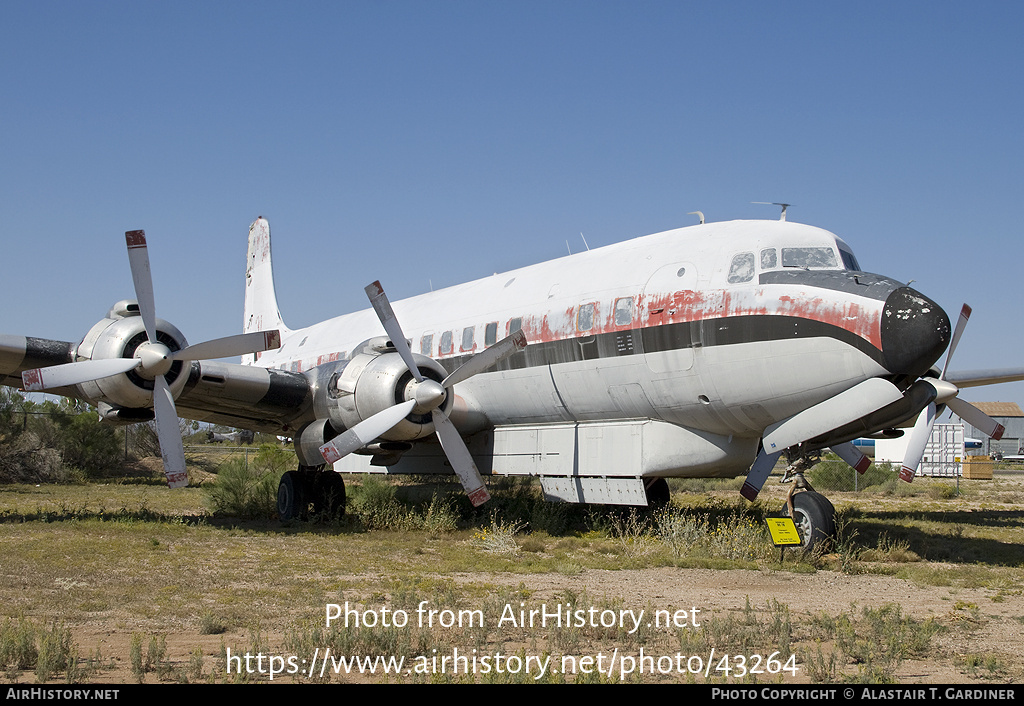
(241, 396)
(247, 397)
(20, 353)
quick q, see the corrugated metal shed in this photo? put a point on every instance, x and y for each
(1000, 409)
(1010, 415)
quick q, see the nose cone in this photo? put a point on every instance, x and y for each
(915, 332)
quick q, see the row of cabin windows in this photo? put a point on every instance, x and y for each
(468, 343)
(623, 316)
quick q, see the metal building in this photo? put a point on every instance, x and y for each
(1008, 414)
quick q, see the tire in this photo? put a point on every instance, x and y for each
(292, 503)
(658, 494)
(814, 517)
(329, 495)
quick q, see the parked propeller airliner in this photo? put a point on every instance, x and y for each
(706, 351)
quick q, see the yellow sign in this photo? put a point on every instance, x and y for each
(783, 531)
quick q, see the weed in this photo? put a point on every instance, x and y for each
(681, 530)
(499, 537)
(632, 530)
(56, 652)
(18, 644)
(440, 516)
(896, 551)
(984, 665)
(135, 657)
(821, 667)
(210, 624)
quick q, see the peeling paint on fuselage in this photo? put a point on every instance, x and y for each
(770, 376)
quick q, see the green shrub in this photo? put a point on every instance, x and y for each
(243, 490)
(835, 474)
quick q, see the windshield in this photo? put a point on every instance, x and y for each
(810, 258)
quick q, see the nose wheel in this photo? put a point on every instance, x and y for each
(814, 516)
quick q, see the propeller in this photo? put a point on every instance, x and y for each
(860, 400)
(152, 360)
(427, 395)
(945, 394)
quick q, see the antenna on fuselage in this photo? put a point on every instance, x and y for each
(700, 214)
(776, 203)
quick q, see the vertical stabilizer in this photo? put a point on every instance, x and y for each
(261, 312)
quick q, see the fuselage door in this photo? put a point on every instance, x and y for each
(669, 318)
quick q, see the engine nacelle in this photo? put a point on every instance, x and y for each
(118, 336)
(375, 379)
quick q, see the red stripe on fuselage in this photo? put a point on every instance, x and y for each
(862, 320)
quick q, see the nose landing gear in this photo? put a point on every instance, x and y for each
(813, 513)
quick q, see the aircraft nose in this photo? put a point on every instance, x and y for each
(915, 330)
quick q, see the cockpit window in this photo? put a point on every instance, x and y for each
(849, 261)
(811, 258)
(742, 268)
(769, 259)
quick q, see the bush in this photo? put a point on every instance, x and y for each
(243, 490)
(835, 474)
(24, 458)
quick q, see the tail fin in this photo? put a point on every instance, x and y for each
(261, 312)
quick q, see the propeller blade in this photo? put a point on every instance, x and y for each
(487, 358)
(231, 346)
(919, 437)
(462, 462)
(758, 474)
(169, 433)
(976, 418)
(142, 276)
(365, 431)
(380, 303)
(852, 455)
(961, 324)
(75, 373)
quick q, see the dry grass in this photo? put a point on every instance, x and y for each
(140, 571)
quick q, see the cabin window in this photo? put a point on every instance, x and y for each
(809, 257)
(468, 336)
(446, 343)
(427, 344)
(624, 311)
(585, 317)
(742, 268)
(491, 333)
(514, 325)
(769, 259)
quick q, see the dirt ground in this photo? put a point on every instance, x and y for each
(713, 592)
(975, 620)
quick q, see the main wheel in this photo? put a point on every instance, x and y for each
(658, 494)
(292, 503)
(329, 495)
(814, 517)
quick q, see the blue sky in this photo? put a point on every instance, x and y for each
(436, 142)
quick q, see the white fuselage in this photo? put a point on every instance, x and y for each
(672, 327)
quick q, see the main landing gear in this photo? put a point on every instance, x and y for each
(310, 492)
(657, 492)
(813, 514)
